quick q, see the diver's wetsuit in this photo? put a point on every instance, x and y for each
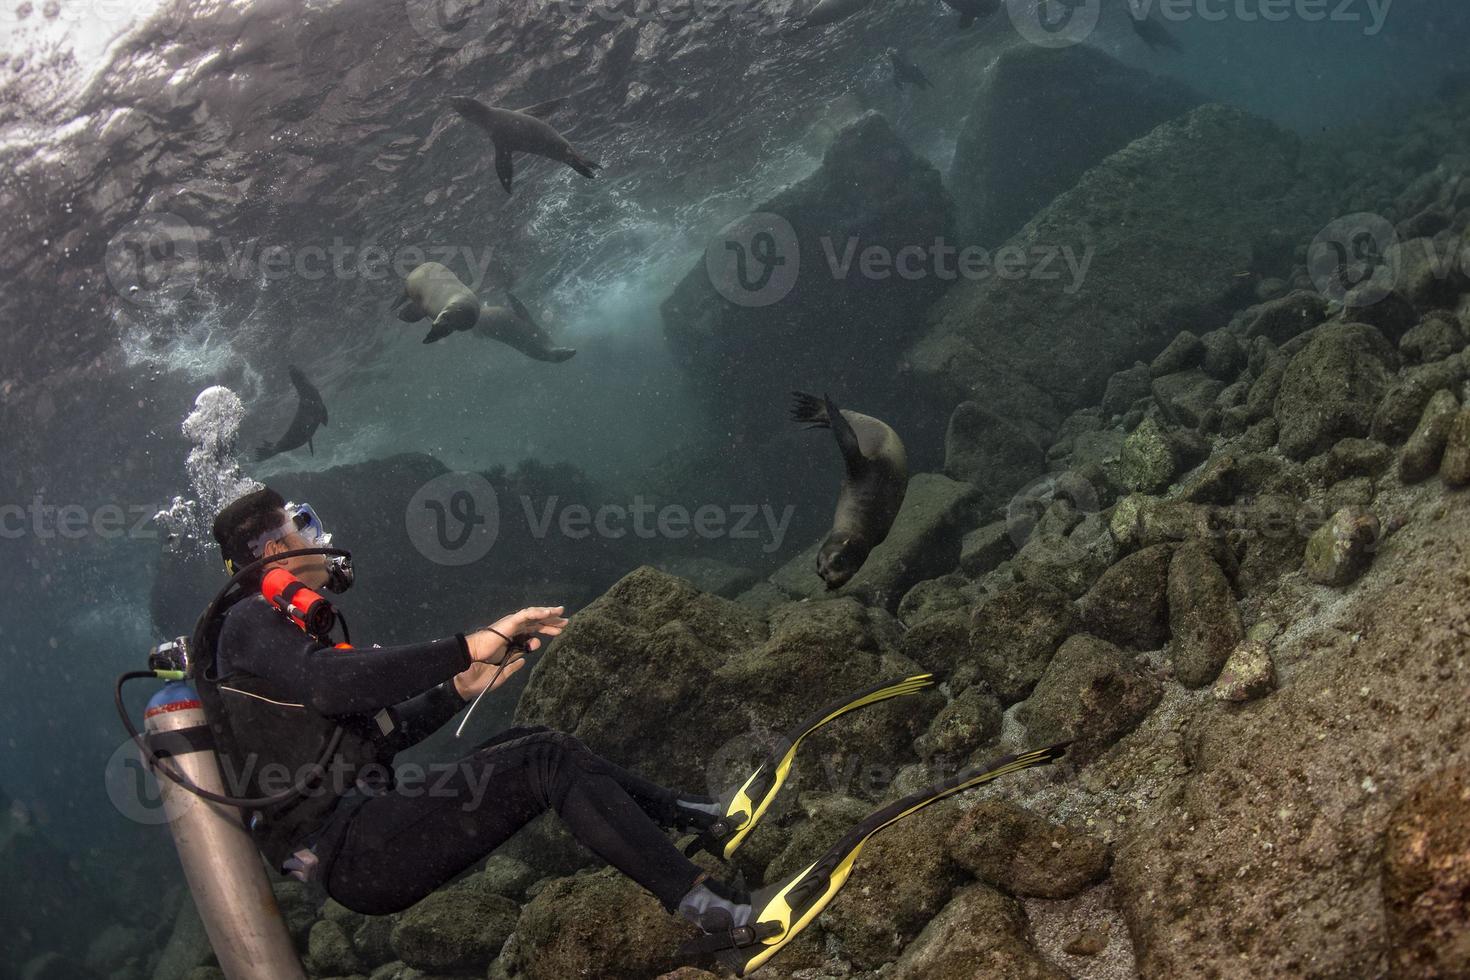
(383, 847)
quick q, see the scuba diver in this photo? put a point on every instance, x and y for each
(276, 689)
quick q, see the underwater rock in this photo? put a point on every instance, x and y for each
(1068, 561)
(507, 876)
(1342, 549)
(1330, 388)
(1393, 315)
(1184, 352)
(980, 933)
(940, 643)
(330, 952)
(1225, 356)
(968, 722)
(1426, 878)
(54, 966)
(1014, 634)
(1454, 467)
(1024, 854)
(1186, 397)
(710, 575)
(1249, 673)
(827, 817)
(1204, 621)
(992, 453)
(453, 930)
(871, 190)
(1436, 337)
(1218, 482)
(1350, 458)
(1126, 388)
(986, 547)
(934, 596)
(907, 877)
(597, 925)
(1004, 344)
(1149, 462)
(923, 543)
(1425, 448)
(1403, 404)
(1288, 317)
(1128, 605)
(1026, 140)
(1093, 694)
(1428, 276)
(373, 940)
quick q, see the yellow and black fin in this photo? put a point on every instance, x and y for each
(783, 910)
(746, 805)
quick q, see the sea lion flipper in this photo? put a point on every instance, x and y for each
(310, 447)
(808, 408)
(504, 167)
(847, 440)
(520, 309)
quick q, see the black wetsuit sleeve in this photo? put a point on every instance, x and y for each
(419, 717)
(259, 640)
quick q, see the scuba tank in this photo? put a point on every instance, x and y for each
(224, 871)
(222, 863)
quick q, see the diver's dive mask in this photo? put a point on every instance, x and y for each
(303, 520)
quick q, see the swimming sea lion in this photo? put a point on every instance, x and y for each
(972, 10)
(829, 12)
(516, 327)
(520, 131)
(872, 490)
(433, 291)
(905, 72)
(311, 412)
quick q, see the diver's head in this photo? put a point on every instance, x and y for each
(261, 524)
(840, 557)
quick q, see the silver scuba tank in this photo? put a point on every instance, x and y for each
(224, 870)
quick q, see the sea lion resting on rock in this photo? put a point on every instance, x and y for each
(515, 326)
(872, 489)
(433, 292)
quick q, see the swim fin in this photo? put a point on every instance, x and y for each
(782, 911)
(747, 804)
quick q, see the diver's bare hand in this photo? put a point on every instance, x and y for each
(481, 676)
(489, 645)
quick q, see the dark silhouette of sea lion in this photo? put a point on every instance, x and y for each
(516, 327)
(520, 131)
(905, 72)
(972, 10)
(311, 412)
(873, 487)
(433, 291)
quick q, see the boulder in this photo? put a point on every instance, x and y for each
(1126, 388)
(1184, 352)
(1030, 351)
(991, 452)
(452, 930)
(1225, 356)
(1331, 387)
(598, 925)
(1249, 673)
(1025, 141)
(1091, 694)
(1454, 466)
(1024, 854)
(331, 952)
(1435, 337)
(1068, 561)
(1129, 605)
(1204, 621)
(986, 547)
(1426, 878)
(980, 933)
(1290, 316)
(1425, 448)
(1150, 460)
(871, 192)
(971, 720)
(1342, 549)
(1403, 403)
(1014, 635)
(1187, 396)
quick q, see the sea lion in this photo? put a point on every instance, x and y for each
(520, 131)
(872, 490)
(516, 327)
(905, 72)
(311, 412)
(829, 12)
(972, 10)
(433, 291)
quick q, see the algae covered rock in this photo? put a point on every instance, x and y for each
(980, 933)
(986, 547)
(1024, 854)
(1149, 462)
(1331, 387)
(1454, 466)
(971, 720)
(1426, 878)
(597, 925)
(1342, 549)
(1425, 448)
(1092, 694)
(1014, 635)
(1125, 388)
(991, 452)
(331, 951)
(454, 930)
(1129, 605)
(1069, 561)
(1290, 316)
(1249, 673)
(1204, 621)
